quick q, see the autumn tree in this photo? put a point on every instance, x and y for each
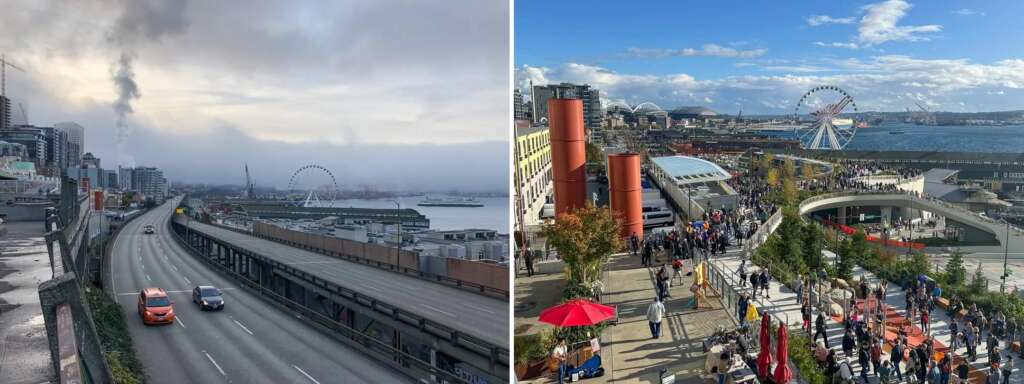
(584, 238)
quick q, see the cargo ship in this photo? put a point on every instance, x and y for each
(450, 202)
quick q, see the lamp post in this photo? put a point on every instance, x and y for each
(1006, 255)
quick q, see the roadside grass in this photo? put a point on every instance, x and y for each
(125, 367)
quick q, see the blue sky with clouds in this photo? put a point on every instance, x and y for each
(761, 56)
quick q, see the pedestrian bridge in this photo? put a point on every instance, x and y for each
(978, 229)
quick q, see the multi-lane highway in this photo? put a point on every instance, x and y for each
(250, 341)
(474, 314)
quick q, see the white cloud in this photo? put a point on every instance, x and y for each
(967, 12)
(837, 44)
(802, 68)
(885, 83)
(817, 20)
(713, 50)
(880, 20)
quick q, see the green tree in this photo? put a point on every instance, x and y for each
(956, 273)
(150, 203)
(595, 157)
(978, 282)
(584, 239)
(813, 239)
(859, 245)
(845, 265)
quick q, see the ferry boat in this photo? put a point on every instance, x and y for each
(450, 202)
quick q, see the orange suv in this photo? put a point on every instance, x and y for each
(155, 307)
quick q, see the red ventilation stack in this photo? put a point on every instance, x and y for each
(568, 154)
(626, 193)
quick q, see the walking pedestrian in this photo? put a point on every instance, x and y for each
(896, 356)
(655, 311)
(529, 263)
(1007, 369)
(820, 325)
(764, 282)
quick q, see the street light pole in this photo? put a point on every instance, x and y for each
(1006, 255)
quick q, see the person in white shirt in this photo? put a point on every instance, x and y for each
(559, 353)
(654, 314)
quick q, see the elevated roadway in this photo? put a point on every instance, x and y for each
(977, 225)
(250, 341)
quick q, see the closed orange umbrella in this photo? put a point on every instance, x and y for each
(764, 358)
(782, 372)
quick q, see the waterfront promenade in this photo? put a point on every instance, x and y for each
(783, 300)
(630, 354)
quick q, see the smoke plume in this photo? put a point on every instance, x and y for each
(127, 90)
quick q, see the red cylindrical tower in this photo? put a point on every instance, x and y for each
(626, 192)
(568, 154)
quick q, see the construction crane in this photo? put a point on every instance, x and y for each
(3, 74)
(927, 115)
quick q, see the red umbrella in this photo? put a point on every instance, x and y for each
(577, 312)
(764, 358)
(782, 372)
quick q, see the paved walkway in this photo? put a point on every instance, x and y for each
(24, 264)
(784, 300)
(630, 354)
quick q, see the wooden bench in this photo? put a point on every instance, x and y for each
(942, 302)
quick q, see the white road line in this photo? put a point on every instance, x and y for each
(174, 268)
(372, 288)
(305, 374)
(143, 266)
(215, 364)
(177, 291)
(479, 308)
(431, 307)
(177, 319)
(147, 277)
(243, 327)
(187, 280)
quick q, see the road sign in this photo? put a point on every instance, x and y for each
(179, 210)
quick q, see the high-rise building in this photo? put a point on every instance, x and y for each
(91, 161)
(124, 178)
(518, 107)
(5, 112)
(592, 112)
(533, 180)
(150, 182)
(75, 139)
(34, 140)
(13, 150)
(56, 150)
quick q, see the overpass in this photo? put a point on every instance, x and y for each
(992, 236)
(455, 330)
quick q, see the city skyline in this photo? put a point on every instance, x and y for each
(281, 86)
(891, 54)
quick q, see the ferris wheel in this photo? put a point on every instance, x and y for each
(317, 182)
(823, 105)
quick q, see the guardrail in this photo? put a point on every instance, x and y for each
(425, 325)
(74, 344)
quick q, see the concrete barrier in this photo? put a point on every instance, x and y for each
(488, 275)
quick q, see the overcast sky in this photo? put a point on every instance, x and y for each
(395, 94)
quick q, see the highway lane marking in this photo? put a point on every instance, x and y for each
(215, 364)
(431, 307)
(175, 291)
(187, 281)
(479, 308)
(243, 327)
(177, 319)
(147, 277)
(174, 268)
(370, 287)
(305, 374)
